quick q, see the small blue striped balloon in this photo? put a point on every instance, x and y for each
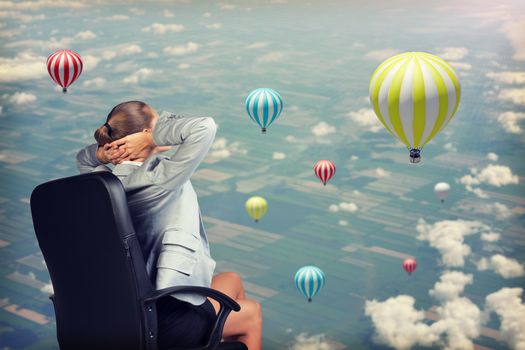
(264, 106)
(309, 280)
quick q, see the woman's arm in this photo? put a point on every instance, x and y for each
(92, 158)
(195, 136)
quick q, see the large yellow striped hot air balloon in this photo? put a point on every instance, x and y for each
(256, 207)
(414, 95)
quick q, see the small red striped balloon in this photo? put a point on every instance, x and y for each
(324, 170)
(64, 67)
(410, 265)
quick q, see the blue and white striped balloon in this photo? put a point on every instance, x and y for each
(309, 280)
(264, 106)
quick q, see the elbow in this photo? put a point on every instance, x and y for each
(208, 124)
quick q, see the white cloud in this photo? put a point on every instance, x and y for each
(222, 149)
(271, 57)
(95, 83)
(183, 66)
(1, 110)
(138, 76)
(453, 53)
(398, 324)
(182, 49)
(515, 32)
(448, 238)
(490, 237)
(206, 14)
(47, 289)
(21, 16)
(167, 14)
(159, 28)
(495, 175)
(507, 304)
(382, 172)
(117, 18)
(507, 77)
(503, 266)
(349, 207)
(278, 155)
(25, 66)
(353, 157)
(334, 208)
(450, 286)
(314, 342)
(461, 320)
(380, 55)
(88, 34)
(90, 62)
(499, 210)
(343, 206)
(38, 4)
(214, 26)
(20, 98)
(492, 156)
(224, 6)
(516, 96)
(121, 50)
(509, 121)
(136, 11)
(257, 45)
(322, 129)
(53, 43)
(343, 222)
(461, 65)
(449, 146)
(366, 118)
(291, 139)
(12, 32)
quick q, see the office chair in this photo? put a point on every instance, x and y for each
(103, 297)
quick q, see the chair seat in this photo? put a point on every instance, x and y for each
(232, 345)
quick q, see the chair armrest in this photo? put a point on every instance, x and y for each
(227, 305)
(222, 298)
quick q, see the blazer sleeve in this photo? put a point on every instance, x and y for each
(195, 136)
(87, 160)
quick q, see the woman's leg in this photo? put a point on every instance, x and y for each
(245, 325)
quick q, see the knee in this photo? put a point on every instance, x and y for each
(233, 277)
(255, 311)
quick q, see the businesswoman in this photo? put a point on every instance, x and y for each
(166, 216)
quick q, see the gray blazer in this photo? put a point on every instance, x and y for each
(163, 204)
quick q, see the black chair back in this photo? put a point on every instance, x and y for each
(86, 235)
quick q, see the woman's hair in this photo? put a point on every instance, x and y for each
(124, 119)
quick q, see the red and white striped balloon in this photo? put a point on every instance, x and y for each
(64, 67)
(324, 170)
(410, 265)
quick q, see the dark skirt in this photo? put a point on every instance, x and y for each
(183, 325)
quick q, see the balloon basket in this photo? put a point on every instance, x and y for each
(64, 90)
(415, 155)
(309, 300)
(263, 130)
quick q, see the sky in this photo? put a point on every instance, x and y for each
(203, 58)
